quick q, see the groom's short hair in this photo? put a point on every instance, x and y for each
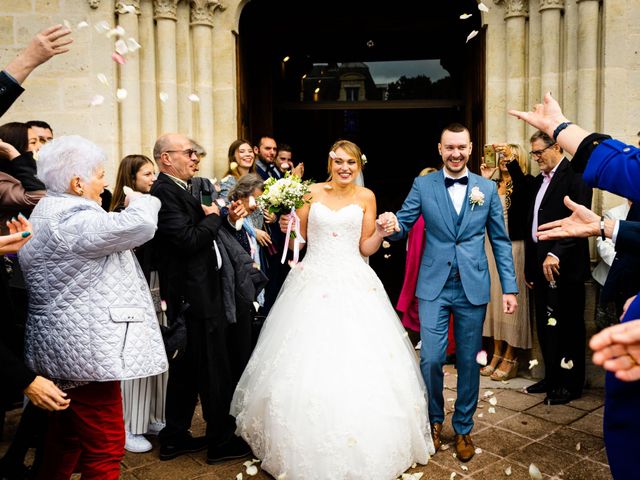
(455, 127)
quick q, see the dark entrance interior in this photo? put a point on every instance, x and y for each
(387, 78)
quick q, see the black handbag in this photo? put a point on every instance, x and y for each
(175, 335)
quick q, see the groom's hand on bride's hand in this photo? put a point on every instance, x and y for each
(509, 302)
(386, 224)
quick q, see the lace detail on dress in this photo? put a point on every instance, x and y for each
(333, 389)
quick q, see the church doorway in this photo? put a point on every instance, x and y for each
(389, 79)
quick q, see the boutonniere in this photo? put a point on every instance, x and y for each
(476, 197)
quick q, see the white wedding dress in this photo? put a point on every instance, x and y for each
(333, 390)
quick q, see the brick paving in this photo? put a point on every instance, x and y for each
(563, 441)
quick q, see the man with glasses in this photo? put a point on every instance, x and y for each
(556, 271)
(189, 265)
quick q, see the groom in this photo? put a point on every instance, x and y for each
(458, 208)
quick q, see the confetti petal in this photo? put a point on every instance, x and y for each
(508, 471)
(256, 305)
(471, 35)
(82, 25)
(464, 468)
(534, 472)
(164, 96)
(194, 98)
(481, 357)
(121, 94)
(552, 322)
(233, 165)
(488, 393)
(491, 410)
(116, 32)
(133, 44)
(252, 470)
(102, 78)
(387, 256)
(252, 201)
(163, 305)
(464, 16)
(386, 244)
(118, 58)
(480, 415)
(482, 7)
(121, 47)
(493, 401)
(221, 202)
(102, 26)
(533, 363)
(97, 100)
(282, 476)
(333, 154)
(453, 475)
(445, 447)
(239, 476)
(567, 365)
(478, 450)
(578, 447)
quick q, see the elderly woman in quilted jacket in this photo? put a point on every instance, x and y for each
(91, 319)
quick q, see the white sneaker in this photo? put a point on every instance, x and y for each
(136, 443)
(155, 428)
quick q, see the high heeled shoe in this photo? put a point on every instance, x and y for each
(503, 375)
(488, 370)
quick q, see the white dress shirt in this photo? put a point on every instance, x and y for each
(457, 191)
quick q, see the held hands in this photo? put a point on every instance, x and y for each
(617, 349)
(19, 234)
(44, 394)
(386, 224)
(582, 223)
(545, 116)
(509, 303)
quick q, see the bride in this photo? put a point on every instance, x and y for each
(333, 390)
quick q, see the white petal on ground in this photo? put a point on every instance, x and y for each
(133, 44)
(193, 98)
(533, 363)
(445, 446)
(418, 475)
(478, 450)
(491, 410)
(464, 468)
(102, 78)
(164, 96)
(481, 357)
(534, 472)
(567, 365)
(464, 16)
(480, 415)
(252, 470)
(82, 25)
(239, 476)
(282, 476)
(97, 100)
(471, 35)
(453, 475)
(482, 7)
(488, 393)
(121, 94)
(507, 471)
(493, 401)
(121, 47)
(578, 446)
(552, 322)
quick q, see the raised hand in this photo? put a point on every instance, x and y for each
(237, 211)
(486, 171)
(545, 116)
(581, 223)
(19, 234)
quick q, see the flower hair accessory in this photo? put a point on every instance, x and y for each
(363, 158)
(476, 197)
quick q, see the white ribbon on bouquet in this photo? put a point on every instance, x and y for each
(293, 225)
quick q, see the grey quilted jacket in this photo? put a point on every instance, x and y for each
(91, 316)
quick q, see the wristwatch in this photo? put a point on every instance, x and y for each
(560, 128)
(602, 235)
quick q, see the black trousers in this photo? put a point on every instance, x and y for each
(567, 338)
(203, 371)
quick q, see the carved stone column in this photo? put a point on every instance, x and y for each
(164, 12)
(515, 19)
(130, 108)
(588, 11)
(149, 91)
(202, 36)
(550, 11)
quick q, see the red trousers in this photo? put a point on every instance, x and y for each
(87, 437)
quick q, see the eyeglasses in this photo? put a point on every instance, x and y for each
(537, 153)
(190, 152)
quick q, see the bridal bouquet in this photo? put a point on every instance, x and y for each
(284, 196)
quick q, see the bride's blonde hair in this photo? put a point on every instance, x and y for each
(352, 150)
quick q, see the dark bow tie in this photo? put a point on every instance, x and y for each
(448, 182)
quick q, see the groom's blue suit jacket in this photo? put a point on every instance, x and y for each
(462, 240)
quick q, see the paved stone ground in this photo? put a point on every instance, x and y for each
(563, 441)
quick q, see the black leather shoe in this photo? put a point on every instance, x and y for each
(233, 448)
(187, 445)
(539, 387)
(560, 396)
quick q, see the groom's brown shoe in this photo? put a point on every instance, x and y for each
(465, 450)
(436, 430)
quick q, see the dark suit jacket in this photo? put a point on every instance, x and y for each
(10, 90)
(518, 213)
(184, 248)
(572, 252)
